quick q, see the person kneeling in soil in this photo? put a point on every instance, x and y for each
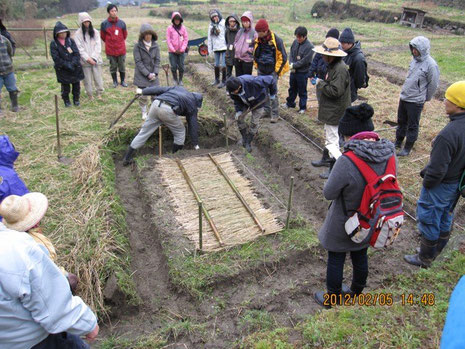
(250, 92)
(169, 105)
(440, 192)
(345, 187)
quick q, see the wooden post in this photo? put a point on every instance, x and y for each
(160, 141)
(45, 42)
(200, 227)
(226, 131)
(58, 127)
(289, 203)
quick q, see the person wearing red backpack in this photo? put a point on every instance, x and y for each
(441, 177)
(345, 187)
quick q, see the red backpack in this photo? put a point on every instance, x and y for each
(380, 216)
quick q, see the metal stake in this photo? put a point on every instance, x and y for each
(200, 226)
(160, 140)
(226, 131)
(45, 41)
(289, 203)
(58, 127)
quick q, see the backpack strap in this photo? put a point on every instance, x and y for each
(365, 170)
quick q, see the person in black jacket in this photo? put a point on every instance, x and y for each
(300, 60)
(441, 177)
(67, 63)
(318, 68)
(355, 59)
(169, 105)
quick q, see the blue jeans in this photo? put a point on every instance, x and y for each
(435, 209)
(297, 85)
(9, 80)
(220, 58)
(62, 340)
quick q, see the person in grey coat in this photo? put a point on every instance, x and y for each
(419, 87)
(346, 184)
(147, 61)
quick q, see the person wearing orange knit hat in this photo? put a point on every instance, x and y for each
(442, 179)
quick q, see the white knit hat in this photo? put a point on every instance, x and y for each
(22, 213)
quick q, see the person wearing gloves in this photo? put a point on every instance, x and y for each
(356, 62)
(217, 44)
(318, 68)
(250, 92)
(88, 42)
(169, 105)
(244, 44)
(419, 87)
(147, 63)
(37, 308)
(177, 39)
(300, 59)
(232, 29)
(333, 94)
(67, 63)
(113, 33)
(441, 176)
(270, 58)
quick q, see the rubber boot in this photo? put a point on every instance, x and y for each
(398, 142)
(14, 101)
(66, 101)
(320, 298)
(407, 149)
(442, 242)
(325, 175)
(325, 160)
(76, 100)
(244, 137)
(123, 76)
(127, 159)
(181, 74)
(177, 147)
(248, 145)
(223, 78)
(217, 76)
(115, 80)
(426, 255)
(175, 77)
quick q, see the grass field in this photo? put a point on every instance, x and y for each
(86, 220)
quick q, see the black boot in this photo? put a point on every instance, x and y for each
(217, 76)
(398, 142)
(14, 101)
(322, 300)
(325, 160)
(66, 101)
(177, 147)
(325, 175)
(223, 78)
(76, 100)
(127, 159)
(442, 242)
(175, 77)
(244, 137)
(407, 148)
(181, 74)
(115, 80)
(425, 256)
(123, 76)
(248, 145)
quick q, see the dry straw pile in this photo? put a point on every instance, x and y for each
(234, 223)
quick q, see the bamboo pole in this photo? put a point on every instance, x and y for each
(200, 226)
(160, 140)
(45, 42)
(58, 127)
(197, 197)
(289, 203)
(238, 194)
(226, 131)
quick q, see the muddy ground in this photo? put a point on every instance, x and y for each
(283, 288)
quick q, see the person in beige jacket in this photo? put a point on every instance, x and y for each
(88, 42)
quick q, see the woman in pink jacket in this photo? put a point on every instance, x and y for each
(176, 38)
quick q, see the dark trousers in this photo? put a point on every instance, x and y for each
(62, 341)
(297, 85)
(66, 89)
(335, 270)
(193, 129)
(243, 68)
(176, 62)
(229, 69)
(408, 120)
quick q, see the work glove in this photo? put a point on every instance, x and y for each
(313, 81)
(138, 91)
(237, 115)
(291, 66)
(272, 97)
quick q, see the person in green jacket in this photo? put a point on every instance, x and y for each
(333, 94)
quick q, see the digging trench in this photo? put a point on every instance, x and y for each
(283, 288)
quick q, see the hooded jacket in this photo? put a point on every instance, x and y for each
(254, 90)
(333, 94)
(10, 183)
(301, 56)
(245, 40)
(423, 74)
(216, 34)
(67, 60)
(146, 61)
(230, 37)
(345, 178)
(356, 62)
(114, 33)
(176, 38)
(88, 47)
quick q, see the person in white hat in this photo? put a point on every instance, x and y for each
(37, 308)
(333, 94)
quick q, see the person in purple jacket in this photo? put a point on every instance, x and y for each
(244, 44)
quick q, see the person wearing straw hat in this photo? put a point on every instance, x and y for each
(333, 94)
(37, 308)
(441, 177)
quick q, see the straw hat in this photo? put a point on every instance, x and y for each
(21, 213)
(331, 47)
